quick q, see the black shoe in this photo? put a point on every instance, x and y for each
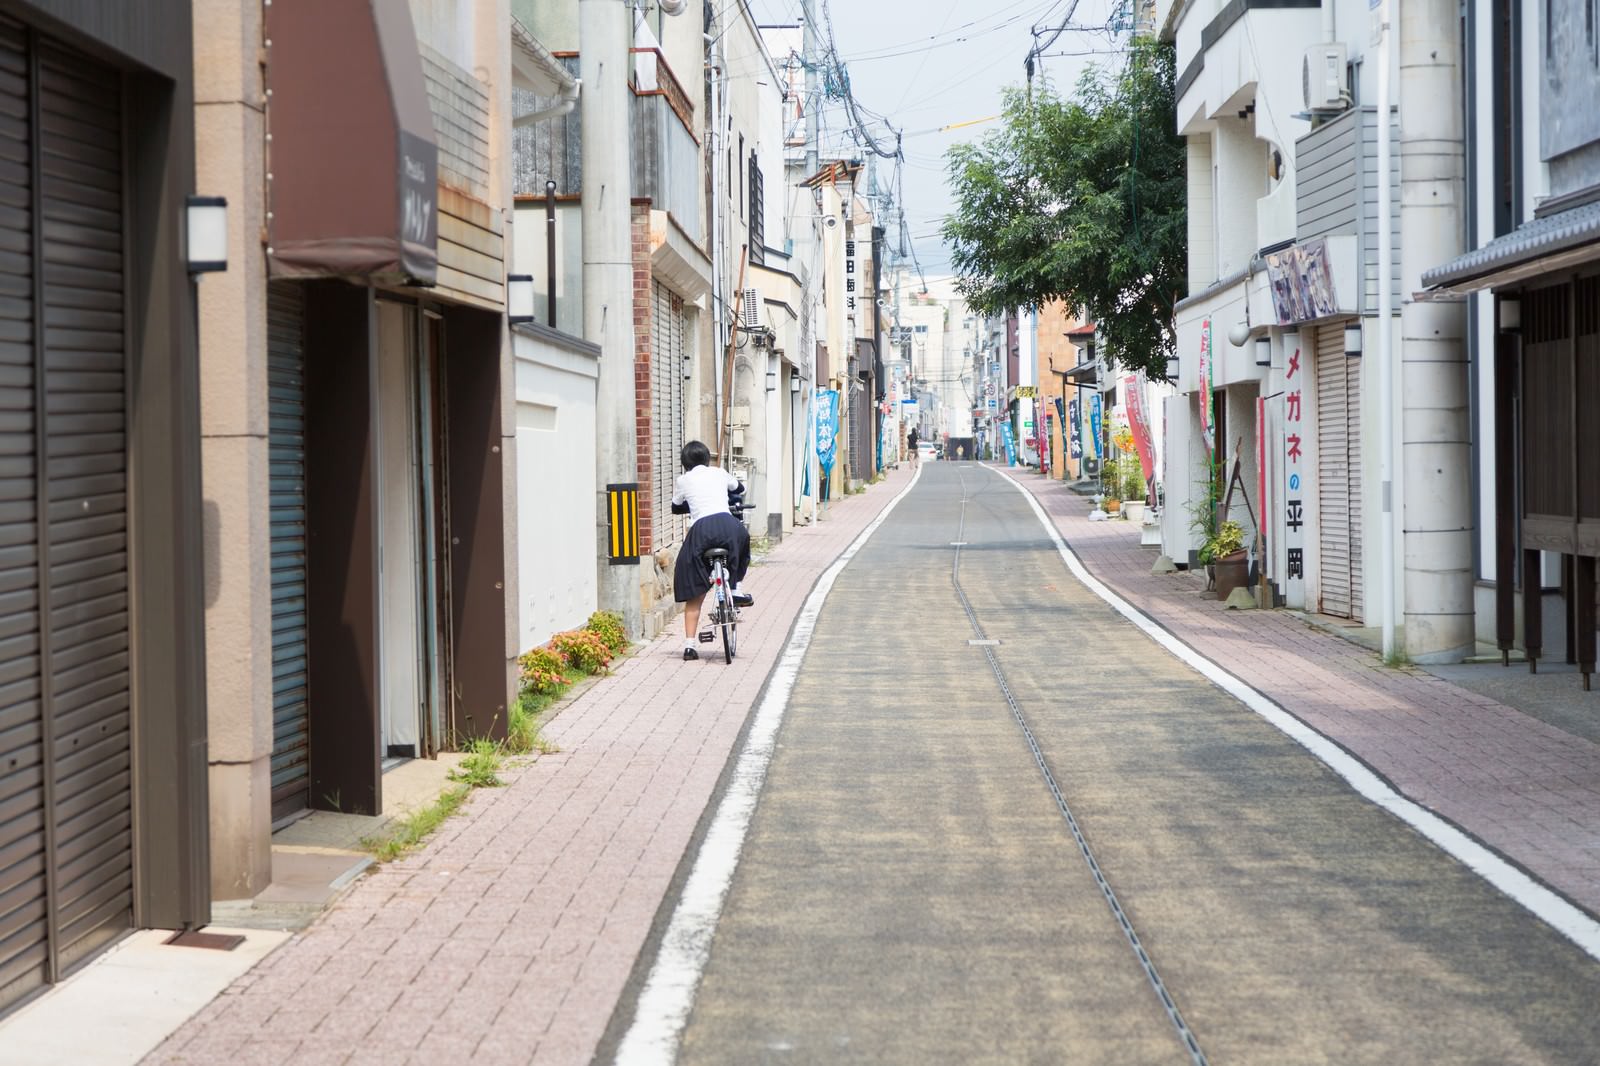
(743, 599)
(690, 655)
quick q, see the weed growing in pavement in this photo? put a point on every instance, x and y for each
(523, 736)
(1397, 659)
(413, 829)
(480, 767)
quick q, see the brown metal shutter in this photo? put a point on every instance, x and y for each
(668, 337)
(83, 485)
(1338, 475)
(286, 450)
(24, 936)
(66, 858)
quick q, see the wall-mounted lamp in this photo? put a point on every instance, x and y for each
(794, 384)
(1352, 339)
(1173, 365)
(207, 222)
(1263, 351)
(1510, 308)
(519, 298)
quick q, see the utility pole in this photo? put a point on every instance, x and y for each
(1387, 546)
(604, 30)
(810, 58)
(1436, 461)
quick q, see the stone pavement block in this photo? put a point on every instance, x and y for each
(1524, 787)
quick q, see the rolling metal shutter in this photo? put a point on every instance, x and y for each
(1339, 475)
(66, 817)
(286, 428)
(668, 338)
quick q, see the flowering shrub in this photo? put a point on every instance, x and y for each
(607, 625)
(583, 650)
(543, 671)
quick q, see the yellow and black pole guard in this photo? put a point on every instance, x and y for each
(622, 507)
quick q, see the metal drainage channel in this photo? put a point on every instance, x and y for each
(1185, 1034)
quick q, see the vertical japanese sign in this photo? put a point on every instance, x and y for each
(1207, 430)
(1139, 423)
(1295, 480)
(1074, 429)
(1094, 423)
(852, 279)
(1010, 443)
(827, 428)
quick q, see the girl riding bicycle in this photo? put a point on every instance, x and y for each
(702, 492)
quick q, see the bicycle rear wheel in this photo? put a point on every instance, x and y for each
(730, 632)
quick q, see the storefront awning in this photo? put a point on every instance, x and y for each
(353, 165)
(1557, 241)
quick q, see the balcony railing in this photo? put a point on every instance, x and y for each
(652, 77)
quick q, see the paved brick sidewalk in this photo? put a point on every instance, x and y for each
(1529, 790)
(510, 936)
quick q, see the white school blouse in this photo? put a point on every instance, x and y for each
(705, 489)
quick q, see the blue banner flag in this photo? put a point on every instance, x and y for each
(827, 428)
(1094, 422)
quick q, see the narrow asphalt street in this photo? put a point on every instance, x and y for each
(914, 884)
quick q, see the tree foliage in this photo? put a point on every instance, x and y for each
(1081, 200)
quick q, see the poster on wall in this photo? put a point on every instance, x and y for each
(827, 428)
(1139, 422)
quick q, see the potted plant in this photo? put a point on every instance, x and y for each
(1227, 566)
(1133, 489)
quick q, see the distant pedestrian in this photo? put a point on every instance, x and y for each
(911, 445)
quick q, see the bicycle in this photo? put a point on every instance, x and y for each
(724, 612)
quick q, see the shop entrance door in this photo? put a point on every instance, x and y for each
(402, 690)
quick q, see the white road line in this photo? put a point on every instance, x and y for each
(1567, 919)
(669, 991)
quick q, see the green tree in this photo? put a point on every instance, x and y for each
(1081, 200)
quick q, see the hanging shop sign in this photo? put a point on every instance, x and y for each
(1296, 486)
(1027, 392)
(827, 428)
(852, 278)
(1301, 279)
(1139, 422)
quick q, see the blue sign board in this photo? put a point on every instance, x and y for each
(827, 428)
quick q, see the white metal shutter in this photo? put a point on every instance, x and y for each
(286, 427)
(1338, 475)
(668, 341)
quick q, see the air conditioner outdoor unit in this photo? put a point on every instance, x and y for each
(1091, 466)
(750, 309)
(1322, 78)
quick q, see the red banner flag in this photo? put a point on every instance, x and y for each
(1139, 423)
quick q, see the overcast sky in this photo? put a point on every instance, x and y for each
(930, 63)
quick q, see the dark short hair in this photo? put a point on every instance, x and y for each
(695, 454)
